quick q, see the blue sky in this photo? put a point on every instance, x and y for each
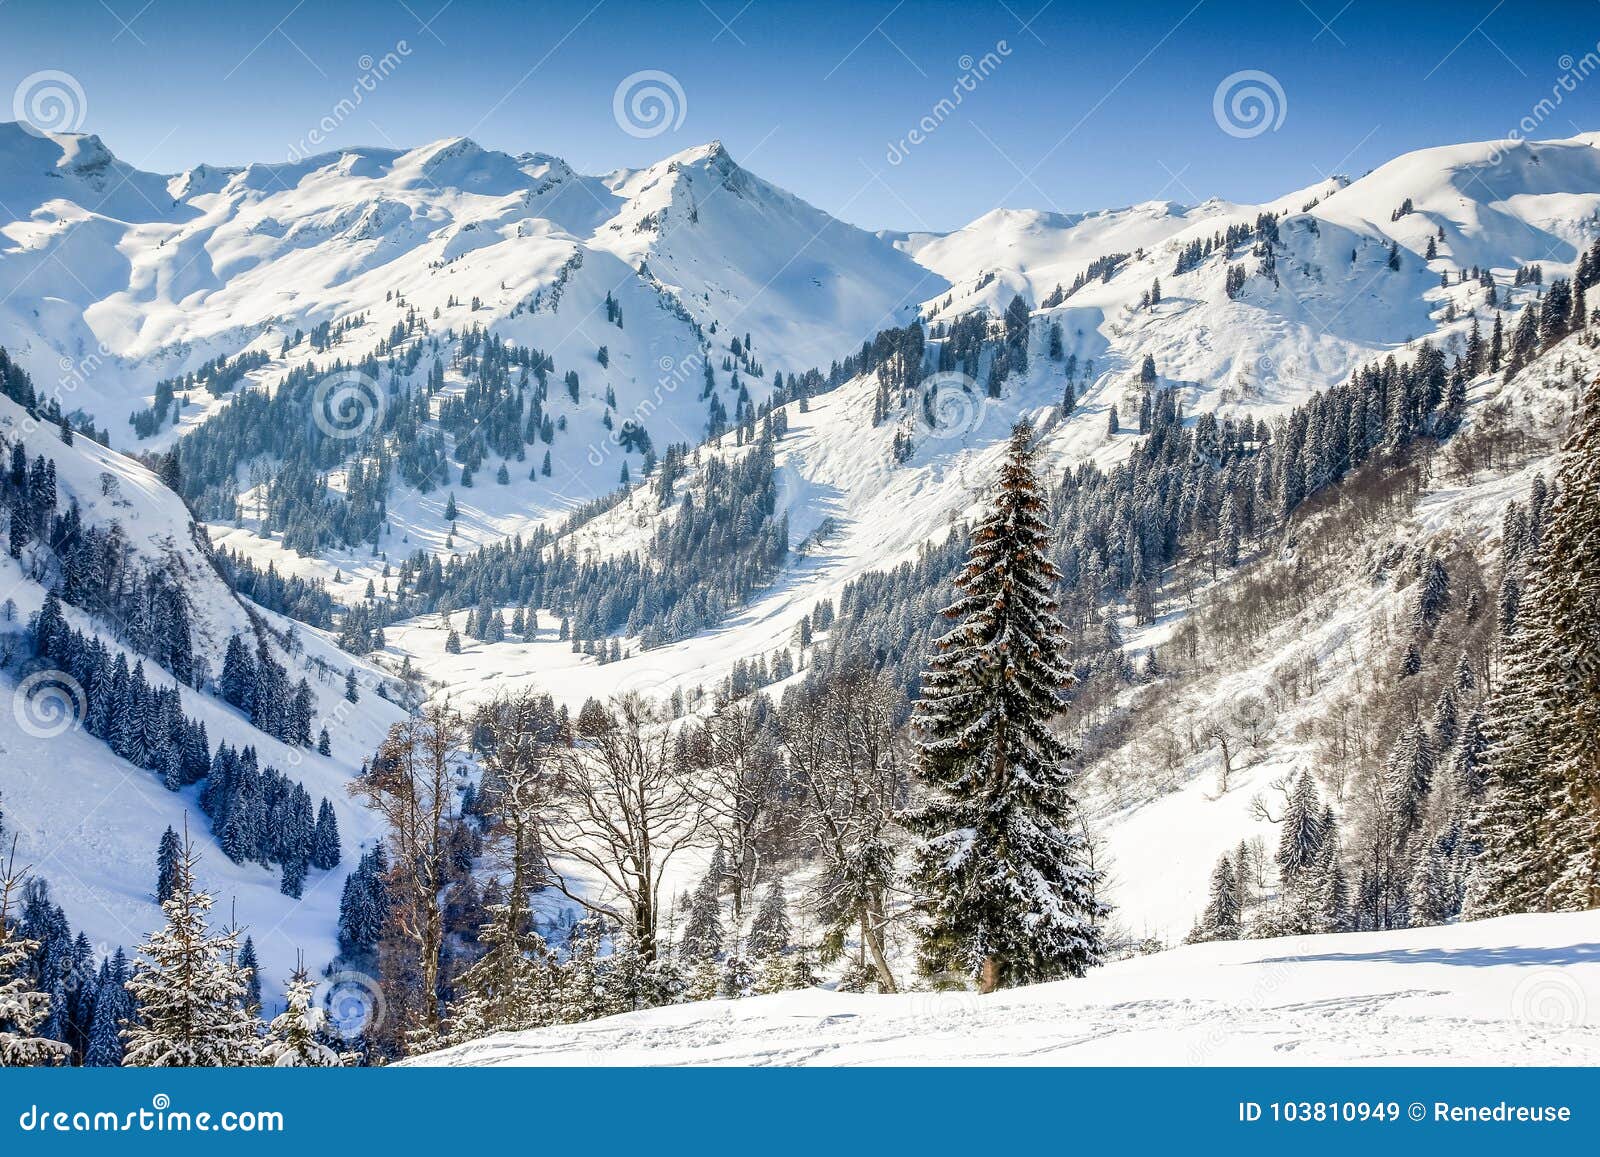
(1081, 106)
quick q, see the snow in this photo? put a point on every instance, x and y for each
(111, 278)
(89, 823)
(1517, 990)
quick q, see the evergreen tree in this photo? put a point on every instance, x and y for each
(294, 1036)
(167, 865)
(189, 988)
(252, 967)
(1537, 829)
(1222, 919)
(1004, 888)
(22, 1008)
(770, 929)
(113, 1008)
(702, 931)
(502, 989)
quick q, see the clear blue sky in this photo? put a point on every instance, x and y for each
(1088, 106)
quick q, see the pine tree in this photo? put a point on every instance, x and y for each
(1004, 888)
(1222, 919)
(501, 990)
(22, 1008)
(1538, 827)
(252, 968)
(189, 988)
(167, 865)
(113, 1008)
(1300, 839)
(293, 1036)
(702, 931)
(325, 853)
(770, 929)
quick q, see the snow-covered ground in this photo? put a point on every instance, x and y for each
(1521, 990)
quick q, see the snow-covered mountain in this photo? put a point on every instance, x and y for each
(88, 821)
(700, 282)
(147, 276)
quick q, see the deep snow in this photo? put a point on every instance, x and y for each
(1519, 990)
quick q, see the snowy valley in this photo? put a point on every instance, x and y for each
(525, 472)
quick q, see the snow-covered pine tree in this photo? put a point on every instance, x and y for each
(293, 1038)
(582, 993)
(702, 931)
(22, 1009)
(770, 930)
(190, 990)
(1538, 827)
(501, 988)
(1004, 889)
(113, 1007)
(1222, 919)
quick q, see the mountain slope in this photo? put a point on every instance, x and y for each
(89, 822)
(1497, 991)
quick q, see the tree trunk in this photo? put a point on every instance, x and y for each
(989, 974)
(872, 937)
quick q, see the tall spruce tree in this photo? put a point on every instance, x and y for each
(1004, 888)
(1538, 826)
(190, 989)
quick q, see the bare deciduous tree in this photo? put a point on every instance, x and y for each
(411, 783)
(622, 810)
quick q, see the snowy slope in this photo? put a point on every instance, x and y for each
(166, 273)
(88, 822)
(1518, 990)
(147, 276)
